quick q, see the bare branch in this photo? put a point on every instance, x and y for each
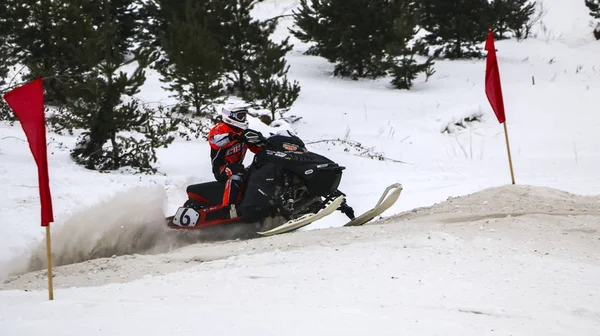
(12, 137)
(362, 151)
(278, 17)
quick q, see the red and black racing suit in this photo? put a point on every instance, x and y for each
(227, 155)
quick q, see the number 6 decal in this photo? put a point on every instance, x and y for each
(186, 217)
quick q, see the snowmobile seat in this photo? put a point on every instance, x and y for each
(208, 192)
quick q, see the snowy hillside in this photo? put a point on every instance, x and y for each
(511, 260)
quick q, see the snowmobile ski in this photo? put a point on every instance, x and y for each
(305, 219)
(385, 202)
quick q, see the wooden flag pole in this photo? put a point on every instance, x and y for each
(512, 174)
(49, 259)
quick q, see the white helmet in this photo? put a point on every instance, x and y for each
(235, 116)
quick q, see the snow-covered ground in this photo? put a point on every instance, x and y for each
(464, 267)
(465, 270)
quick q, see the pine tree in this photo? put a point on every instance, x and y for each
(403, 65)
(270, 86)
(594, 6)
(511, 16)
(351, 34)
(455, 28)
(193, 62)
(240, 35)
(5, 35)
(7, 61)
(99, 106)
(47, 38)
(255, 65)
(5, 113)
(212, 42)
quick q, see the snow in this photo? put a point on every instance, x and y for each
(524, 275)
(505, 260)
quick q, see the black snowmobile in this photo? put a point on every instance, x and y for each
(286, 182)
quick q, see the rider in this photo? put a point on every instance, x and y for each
(228, 149)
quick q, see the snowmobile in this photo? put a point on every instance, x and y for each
(284, 181)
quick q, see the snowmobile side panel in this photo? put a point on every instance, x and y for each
(191, 219)
(210, 193)
(259, 190)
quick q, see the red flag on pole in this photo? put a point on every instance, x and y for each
(27, 102)
(493, 88)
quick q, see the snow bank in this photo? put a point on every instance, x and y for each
(505, 201)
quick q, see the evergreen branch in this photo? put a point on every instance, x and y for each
(57, 77)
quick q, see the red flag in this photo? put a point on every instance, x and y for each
(493, 88)
(27, 102)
